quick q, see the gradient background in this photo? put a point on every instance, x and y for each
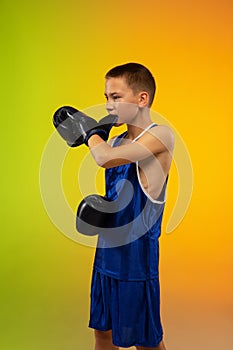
(56, 53)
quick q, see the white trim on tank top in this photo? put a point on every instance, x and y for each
(137, 169)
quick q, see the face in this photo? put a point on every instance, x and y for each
(121, 100)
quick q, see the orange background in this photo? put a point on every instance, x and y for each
(56, 53)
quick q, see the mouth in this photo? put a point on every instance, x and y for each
(118, 124)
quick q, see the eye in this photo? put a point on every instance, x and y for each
(116, 97)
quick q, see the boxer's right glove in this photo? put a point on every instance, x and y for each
(95, 212)
(76, 127)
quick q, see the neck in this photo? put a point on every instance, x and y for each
(141, 121)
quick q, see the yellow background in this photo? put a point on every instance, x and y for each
(56, 53)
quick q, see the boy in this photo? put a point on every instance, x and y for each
(125, 294)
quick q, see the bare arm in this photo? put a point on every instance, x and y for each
(157, 140)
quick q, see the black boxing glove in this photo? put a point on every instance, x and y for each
(106, 124)
(76, 127)
(73, 125)
(95, 212)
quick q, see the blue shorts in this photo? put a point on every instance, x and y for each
(131, 309)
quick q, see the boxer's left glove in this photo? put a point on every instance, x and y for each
(95, 212)
(76, 127)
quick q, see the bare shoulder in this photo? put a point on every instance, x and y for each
(162, 131)
(164, 134)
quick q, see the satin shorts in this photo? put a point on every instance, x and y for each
(131, 309)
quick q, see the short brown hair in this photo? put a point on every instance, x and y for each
(137, 76)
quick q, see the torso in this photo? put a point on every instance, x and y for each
(130, 250)
(153, 171)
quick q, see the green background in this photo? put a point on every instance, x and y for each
(56, 53)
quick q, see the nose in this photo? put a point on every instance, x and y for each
(109, 106)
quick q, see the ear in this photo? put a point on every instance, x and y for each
(143, 98)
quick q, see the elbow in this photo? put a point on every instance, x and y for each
(102, 154)
(102, 160)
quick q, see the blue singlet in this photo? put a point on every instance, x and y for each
(130, 251)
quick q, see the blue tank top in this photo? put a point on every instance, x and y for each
(130, 250)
